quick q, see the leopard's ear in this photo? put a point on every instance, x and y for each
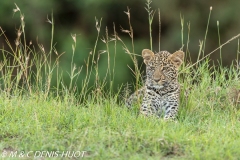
(177, 58)
(147, 55)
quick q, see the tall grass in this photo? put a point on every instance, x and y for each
(37, 116)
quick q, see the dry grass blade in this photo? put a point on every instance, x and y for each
(233, 38)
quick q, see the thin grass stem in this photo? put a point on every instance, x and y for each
(205, 37)
(219, 42)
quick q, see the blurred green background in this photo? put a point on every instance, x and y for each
(78, 17)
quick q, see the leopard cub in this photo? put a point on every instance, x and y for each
(161, 90)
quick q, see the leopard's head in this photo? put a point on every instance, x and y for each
(162, 68)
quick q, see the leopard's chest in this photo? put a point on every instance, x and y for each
(160, 99)
(156, 99)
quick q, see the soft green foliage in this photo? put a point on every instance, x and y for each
(77, 16)
(36, 116)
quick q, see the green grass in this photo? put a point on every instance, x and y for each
(207, 128)
(34, 116)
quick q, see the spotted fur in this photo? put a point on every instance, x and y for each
(161, 90)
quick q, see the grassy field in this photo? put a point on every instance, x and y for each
(207, 127)
(44, 122)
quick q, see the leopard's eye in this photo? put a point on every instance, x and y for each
(150, 67)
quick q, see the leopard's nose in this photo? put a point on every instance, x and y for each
(156, 79)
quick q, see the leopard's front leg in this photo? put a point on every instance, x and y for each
(171, 110)
(150, 104)
(146, 106)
